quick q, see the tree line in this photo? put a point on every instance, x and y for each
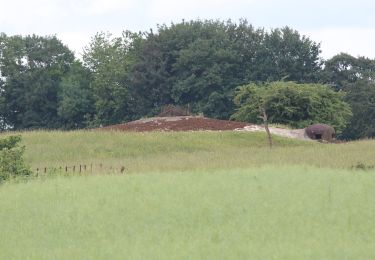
(196, 63)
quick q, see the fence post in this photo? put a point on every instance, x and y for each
(82, 168)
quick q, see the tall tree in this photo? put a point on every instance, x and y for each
(31, 69)
(108, 60)
(361, 97)
(201, 62)
(285, 54)
(355, 76)
(76, 102)
(206, 70)
(150, 75)
(343, 70)
(196, 63)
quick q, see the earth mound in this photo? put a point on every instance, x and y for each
(178, 123)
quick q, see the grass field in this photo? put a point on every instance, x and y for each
(161, 152)
(201, 195)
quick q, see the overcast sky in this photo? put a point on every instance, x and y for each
(339, 25)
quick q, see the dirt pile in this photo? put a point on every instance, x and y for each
(178, 123)
(196, 123)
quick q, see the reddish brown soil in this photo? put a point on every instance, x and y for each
(181, 123)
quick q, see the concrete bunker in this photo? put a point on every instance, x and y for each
(321, 132)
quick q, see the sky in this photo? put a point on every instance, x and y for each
(339, 25)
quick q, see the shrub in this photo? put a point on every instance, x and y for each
(289, 103)
(11, 159)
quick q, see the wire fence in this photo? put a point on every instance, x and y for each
(80, 168)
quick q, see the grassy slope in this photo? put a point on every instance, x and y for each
(187, 151)
(235, 200)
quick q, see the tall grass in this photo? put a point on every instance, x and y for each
(265, 213)
(201, 195)
(165, 151)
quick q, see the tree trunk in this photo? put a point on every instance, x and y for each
(265, 122)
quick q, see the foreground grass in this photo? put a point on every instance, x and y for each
(166, 152)
(266, 213)
(198, 195)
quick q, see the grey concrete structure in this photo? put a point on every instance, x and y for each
(321, 132)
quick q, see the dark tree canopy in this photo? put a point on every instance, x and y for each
(76, 101)
(201, 62)
(355, 76)
(285, 54)
(361, 97)
(31, 68)
(196, 63)
(344, 69)
(108, 61)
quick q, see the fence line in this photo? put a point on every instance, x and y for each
(80, 168)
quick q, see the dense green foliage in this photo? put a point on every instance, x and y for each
(297, 105)
(32, 69)
(343, 70)
(355, 76)
(108, 61)
(201, 62)
(195, 63)
(361, 97)
(11, 159)
(76, 101)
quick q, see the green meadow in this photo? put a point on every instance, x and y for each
(191, 195)
(187, 151)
